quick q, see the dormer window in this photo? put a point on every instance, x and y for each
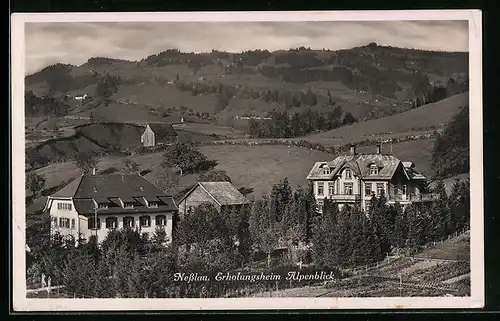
(102, 206)
(326, 170)
(373, 169)
(128, 205)
(153, 204)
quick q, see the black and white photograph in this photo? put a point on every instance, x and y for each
(265, 160)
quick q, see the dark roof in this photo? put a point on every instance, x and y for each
(163, 130)
(70, 189)
(108, 186)
(110, 189)
(360, 164)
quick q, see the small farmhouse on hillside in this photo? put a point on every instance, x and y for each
(221, 194)
(354, 178)
(158, 134)
(95, 204)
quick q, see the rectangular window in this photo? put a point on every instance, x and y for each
(348, 173)
(348, 188)
(160, 220)
(373, 170)
(403, 188)
(111, 222)
(368, 189)
(331, 188)
(380, 188)
(145, 221)
(92, 225)
(64, 206)
(128, 222)
(73, 223)
(64, 222)
(321, 186)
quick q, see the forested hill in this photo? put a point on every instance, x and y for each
(368, 81)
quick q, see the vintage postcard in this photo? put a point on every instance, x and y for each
(247, 160)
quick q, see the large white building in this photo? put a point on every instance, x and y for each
(355, 178)
(117, 201)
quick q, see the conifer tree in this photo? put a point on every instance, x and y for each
(356, 235)
(400, 232)
(416, 228)
(343, 245)
(324, 236)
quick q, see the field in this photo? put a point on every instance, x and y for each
(413, 122)
(259, 167)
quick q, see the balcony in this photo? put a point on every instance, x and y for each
(344, 197)
(414, 198)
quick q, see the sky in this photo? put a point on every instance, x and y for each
(75, 42)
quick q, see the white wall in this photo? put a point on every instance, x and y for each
(103, 231)
(63, 213)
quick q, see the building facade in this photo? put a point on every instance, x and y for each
(97, 204)
(223, 195)
(158, 134)
(354, 179)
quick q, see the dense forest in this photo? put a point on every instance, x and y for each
(44, 106)
(451, 153)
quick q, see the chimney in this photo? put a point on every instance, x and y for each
(93, 171)
(379, 148)
(353, 149)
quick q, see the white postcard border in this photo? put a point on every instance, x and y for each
(19, 301)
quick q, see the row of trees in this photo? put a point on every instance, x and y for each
(426, 93)
(350, 237)
(281, 125)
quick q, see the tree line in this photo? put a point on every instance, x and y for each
(44, 106)
(281, 125)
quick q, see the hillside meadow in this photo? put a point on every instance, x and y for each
(416, 121)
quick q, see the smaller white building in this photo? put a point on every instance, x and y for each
(96, 204)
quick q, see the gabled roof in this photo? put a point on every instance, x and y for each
(125, 187)
(163, 130)
(360, 164)
(224, 193)
(111, 189)
(70, 189)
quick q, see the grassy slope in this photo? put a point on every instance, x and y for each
(435, 114)
(260, 167)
